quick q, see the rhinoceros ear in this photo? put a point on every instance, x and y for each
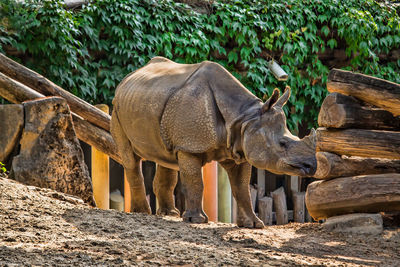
(284, 98)
(271, 101)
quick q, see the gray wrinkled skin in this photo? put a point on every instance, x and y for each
(182, 116)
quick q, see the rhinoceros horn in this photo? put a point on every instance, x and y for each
(284, 98)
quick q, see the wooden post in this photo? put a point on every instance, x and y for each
(234, 210)
(265, 210)
(127, 195)
(100, 173)
(298, 206)
(280, 206)
(253, 195)
(210, 194)
(224, 196)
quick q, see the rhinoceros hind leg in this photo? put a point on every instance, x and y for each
(132, 167)
(239, 177)
(192, 183)
(163, 185)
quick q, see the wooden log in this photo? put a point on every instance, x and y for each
(378, 92)
(366, 193)
(279, 198)
(16, 92)
(357, 142)
(298, 206)
(42, 85)
(265, 210)
(330, 165)
(341, 111)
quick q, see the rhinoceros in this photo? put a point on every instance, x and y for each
(182, 116)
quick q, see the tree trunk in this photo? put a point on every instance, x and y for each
(331, 165)
(362, 143)
(341, 111)
(42, 85)
(102, 140)
(367, 193)
(378, 92)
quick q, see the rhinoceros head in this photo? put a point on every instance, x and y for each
(268, 144)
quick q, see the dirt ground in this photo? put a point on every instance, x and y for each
(40, 227)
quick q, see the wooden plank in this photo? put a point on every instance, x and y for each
(378, 92)
(330, 165)
(366, 193)
(341, 111)
(279, 198)
(265, 210)
(298, 207)
(358, 142)
(44, 86)
(16, 92)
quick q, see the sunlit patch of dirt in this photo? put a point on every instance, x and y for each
(43, 227)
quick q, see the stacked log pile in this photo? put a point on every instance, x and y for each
(358, 147)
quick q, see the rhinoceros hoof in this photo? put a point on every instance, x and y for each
(194, 217)
(250, 223)
(171, 212)
(142, 209)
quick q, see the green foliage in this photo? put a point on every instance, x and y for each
(90, 50)
(2, 168)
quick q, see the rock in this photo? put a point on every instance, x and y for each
(358, 223)
(11, 121)
(50, 153)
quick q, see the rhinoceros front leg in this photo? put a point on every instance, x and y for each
(192, 183)
(239, 177)
(163, 185)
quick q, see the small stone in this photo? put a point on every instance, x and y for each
(358, 223)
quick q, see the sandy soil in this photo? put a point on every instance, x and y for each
(46, 228)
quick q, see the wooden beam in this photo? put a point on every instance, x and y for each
(330, 165)
(44, 86)
(341, 111)
(366, 193)
(16, 92)
(378, 92)
(357, 142)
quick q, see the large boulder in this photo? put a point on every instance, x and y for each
(50, 153)
(11, 121)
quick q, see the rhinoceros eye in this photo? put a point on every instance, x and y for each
(283, 143)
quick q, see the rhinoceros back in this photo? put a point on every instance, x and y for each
(140, 102)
